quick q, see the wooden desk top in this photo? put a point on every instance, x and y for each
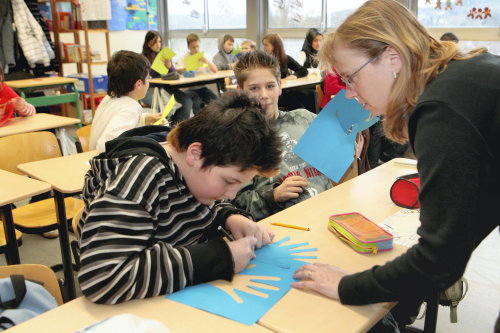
(40, 82)
(80, 313)
(38, 122)
(65, 173)
(204, 77)
(313, 78)
(368, 194)
(15, 187)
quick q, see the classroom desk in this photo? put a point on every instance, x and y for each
(200, 79)
(368, 194)
(66, 175)
(178, 317)
(50, 82)
(14, 188)
(38, 122)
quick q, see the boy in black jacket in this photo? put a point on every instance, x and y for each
(150, 221)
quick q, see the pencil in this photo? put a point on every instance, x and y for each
(226, 234)
(290, 226)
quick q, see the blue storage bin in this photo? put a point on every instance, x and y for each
(100, 83)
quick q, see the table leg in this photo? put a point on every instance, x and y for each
(11, 251)
(431, 313)
(69, 281)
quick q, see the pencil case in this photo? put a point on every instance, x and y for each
(404, 191)
(360, 233)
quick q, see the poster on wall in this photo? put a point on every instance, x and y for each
(133, 15)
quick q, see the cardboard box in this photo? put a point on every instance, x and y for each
(100, 83)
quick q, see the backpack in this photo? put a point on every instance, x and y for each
(21, 300)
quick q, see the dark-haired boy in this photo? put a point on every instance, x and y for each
(149, 225)
(119, 111)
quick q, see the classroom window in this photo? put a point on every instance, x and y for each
(338, 11)
(206, 15)
(227, 14)
(284, 14)
(472, 13)
(186, 14)
(293, 46)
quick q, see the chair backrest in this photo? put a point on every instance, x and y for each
(320, 93)
(74, 221)
(34, 272)
(83, 134)
(27, 147)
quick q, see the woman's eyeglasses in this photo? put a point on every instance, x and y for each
(348, 79)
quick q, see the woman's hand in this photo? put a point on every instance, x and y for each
(322, 278)
(242, 250)
(241, 226)
(290, 77)
(290, 188)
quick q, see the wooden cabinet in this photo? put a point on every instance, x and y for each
(81, 55)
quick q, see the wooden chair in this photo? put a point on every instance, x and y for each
(38, 273)
(74, 243)
(83, 134)
(319, 94)
(38, 217)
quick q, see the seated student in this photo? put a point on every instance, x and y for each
(247, 45)
(128, 81)
(157, 205)
(449, 37)
(307, 56)
(225, 59)
(331, 84)
(190, 101)
(290, 69)
(9, 96)
(193, 44)
(258, 73)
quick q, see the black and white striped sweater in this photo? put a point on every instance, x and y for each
(142, 233)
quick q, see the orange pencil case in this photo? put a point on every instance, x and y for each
(360, 233)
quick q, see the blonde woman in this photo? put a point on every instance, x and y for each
(446, 103)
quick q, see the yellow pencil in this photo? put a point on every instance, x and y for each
(290, 226)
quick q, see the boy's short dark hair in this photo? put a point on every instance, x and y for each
(255, 60)
(233, 131)
(192, 38)
(124, 69)
(228, 37)
(449, 36)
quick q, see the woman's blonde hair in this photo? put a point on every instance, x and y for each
(381, 23)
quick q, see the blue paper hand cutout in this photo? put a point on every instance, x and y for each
(255, 290)
(281, 256)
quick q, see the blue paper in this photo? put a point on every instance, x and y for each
(270, 274)
(328, 144)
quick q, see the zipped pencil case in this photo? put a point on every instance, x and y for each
(360, 233)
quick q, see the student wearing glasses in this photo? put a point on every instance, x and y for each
(119, 111)
(446, 103)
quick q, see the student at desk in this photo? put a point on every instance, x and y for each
(193, 44)
(258, 73)
(189, 100)
(149, 225)
(128, 81)
(9, 99)
(445, 102)
(308, 55)
(290, 69)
